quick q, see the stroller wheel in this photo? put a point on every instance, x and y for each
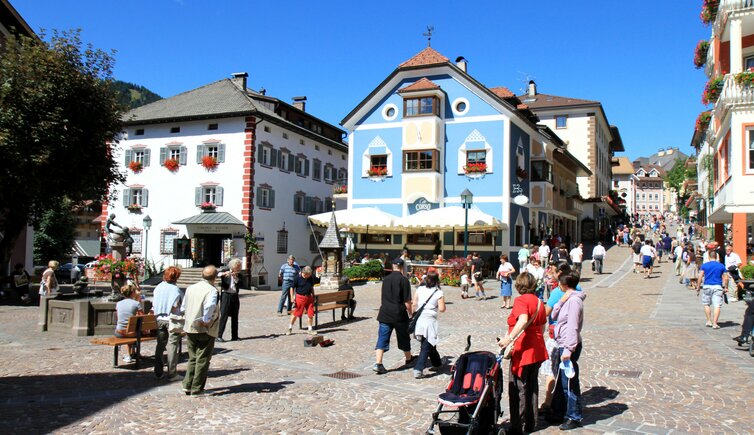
(751, 346)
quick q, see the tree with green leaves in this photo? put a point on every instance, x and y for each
(59, 119)
(55, 232)
(675, 179)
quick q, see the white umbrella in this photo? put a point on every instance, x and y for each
(356, 220)
(449, 219)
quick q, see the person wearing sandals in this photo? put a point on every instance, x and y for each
(713, 283)
(528, 353)
(432, 299)
(303, 287)
(130, 306)
(504, 273)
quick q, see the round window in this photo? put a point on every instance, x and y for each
(461, 106)
(390, 112)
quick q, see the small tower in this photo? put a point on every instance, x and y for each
(332, 251)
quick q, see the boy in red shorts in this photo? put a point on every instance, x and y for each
(303, 288)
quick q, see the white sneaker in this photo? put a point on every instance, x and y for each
(288, 332)
(127, 358)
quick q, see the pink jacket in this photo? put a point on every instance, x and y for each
(569, 317)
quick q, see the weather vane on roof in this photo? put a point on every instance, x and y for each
(428, 34)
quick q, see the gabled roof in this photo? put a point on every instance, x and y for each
(423, 84)
(545, 101)
(220, 98)
(14, 22)
(649, 168)
(502, 92)
(624, 167)
(428, 56)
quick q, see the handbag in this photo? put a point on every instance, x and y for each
(508, 351)
(418, 313)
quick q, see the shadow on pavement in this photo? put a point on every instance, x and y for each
(595, 395)
(594, 414)
(252, 387)
(728, 324)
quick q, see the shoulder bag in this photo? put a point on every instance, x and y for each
(508, 351)
(418, 313)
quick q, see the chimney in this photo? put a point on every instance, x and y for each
(462, 63)
(300, 103)
(262, 91)
(532, 88)
(239, 79)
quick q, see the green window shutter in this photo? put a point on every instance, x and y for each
(260, 154)
(147, 157)
(221, 153)
(199, 153)
(163, 155)
(198, 195)
(272, 198)
(126, 197)
(447, 238)
(259, 196)
(307, 204)
(129, 157)
(218, 195)
(306, 167)
(273, 157)
(291, 162)
(144, 197)
(184, 156)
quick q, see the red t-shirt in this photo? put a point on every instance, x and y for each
(530, 346)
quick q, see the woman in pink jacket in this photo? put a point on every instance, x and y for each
(569, 316)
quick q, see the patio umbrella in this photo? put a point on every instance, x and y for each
(358, 220)
(448, 219)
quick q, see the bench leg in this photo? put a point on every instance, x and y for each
(115, 356)
(300, 320)
(316, 319)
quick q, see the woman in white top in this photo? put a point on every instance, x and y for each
(536, 270)
(49, 282)
(504, 273)
(427, 326)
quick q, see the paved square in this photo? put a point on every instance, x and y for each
(649, 366)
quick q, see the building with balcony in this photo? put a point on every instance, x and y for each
(430, 131)
(726, 144)
(624, 182)
(649, 185)
(214, 163)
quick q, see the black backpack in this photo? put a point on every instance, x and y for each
(637, 248)
(555, 255)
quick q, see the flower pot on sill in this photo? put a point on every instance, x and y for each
(475, 175)
(377, 178)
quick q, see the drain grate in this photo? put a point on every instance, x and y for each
(624, 373)
(343, 375)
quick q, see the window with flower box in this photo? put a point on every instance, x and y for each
(211, 194)
(139, 155)
(174, 152)
(425, 160)
(215, 150)
(421, 106)
(135, 197)
(378, 161)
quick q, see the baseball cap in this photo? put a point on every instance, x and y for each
(398, 261)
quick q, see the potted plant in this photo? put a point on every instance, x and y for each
(340, 190)
(118, 271)
(208, 206)
(712, 90)
(709, 11)
(475, 170)
(209, 163)
(747, 272)
(172, 165)
(702, 121)
(377, 171)
(745, 78)
(700, 54)
(134, 208)
(136, 166)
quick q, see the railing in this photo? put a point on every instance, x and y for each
(731, 95)
(727, 7)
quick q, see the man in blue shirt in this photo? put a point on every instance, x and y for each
(713, 280)
(288, 273)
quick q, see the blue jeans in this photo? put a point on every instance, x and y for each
(285, 295)
(566, 401)
(430, 351)
(401, 334)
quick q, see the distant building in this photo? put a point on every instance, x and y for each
(217, 162)
(624, 183)
(664, 158)
(650, 182)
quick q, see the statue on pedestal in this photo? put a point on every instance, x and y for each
(119, 239)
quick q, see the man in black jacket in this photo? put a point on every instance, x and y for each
(229, 302)
(395, 311)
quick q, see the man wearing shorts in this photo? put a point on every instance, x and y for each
(713, 281)
(476, 276)
(303, 289)
(395, 311)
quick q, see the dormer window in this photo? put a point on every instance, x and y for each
(421, 106)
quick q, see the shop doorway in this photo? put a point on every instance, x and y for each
(209, 249)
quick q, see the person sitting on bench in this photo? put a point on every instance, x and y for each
(124, 309)
(345, 284)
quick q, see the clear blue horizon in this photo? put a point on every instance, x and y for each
(635, 58)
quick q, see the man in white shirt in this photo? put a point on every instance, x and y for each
(577, 255)
(544, 254)
(678, 254)
(732, 260)
(598, 256)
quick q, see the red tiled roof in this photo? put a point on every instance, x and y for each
(541, 101)
(428, 56)
(423, 84)
(502, 92)
(522, 107)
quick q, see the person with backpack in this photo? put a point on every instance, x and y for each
(636, 252)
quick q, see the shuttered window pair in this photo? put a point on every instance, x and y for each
(135, 196)
(138, 155)
(179, 153)
(265, 197)
(216, 150)
(208, 194)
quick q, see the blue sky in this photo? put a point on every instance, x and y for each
(634, 57)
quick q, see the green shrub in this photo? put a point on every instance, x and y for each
(747, 272)
(361, 272)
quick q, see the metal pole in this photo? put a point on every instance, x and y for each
(144, 248)
(366, 241)
(466, 231)
(454, 241)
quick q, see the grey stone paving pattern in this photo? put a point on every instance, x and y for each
(649, 366)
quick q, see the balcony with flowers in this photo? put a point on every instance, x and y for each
(718, 12)
(735, 90)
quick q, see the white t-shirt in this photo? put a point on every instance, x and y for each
(576, 255)
(464, 279)
(647, 250)
(544, 252)
(505, 268)
(536, 272)
(732, 260)
(598, 250)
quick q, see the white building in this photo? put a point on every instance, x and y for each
(650, 183)
(624, 182)
(274, 164)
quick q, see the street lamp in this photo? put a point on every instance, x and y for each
(467, 198)
(147, 222)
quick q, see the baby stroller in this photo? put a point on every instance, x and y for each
(473, 395)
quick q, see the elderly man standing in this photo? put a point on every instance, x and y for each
(229, 300)
(201, 311)
(732, 261)
(288, 273)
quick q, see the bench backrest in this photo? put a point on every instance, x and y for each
(148, 323)
(338, 296)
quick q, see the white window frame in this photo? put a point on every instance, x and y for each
(565, 121)
(475, 141)
(377, 147)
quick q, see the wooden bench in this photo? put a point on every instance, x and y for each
(144, 326)
(329, 301)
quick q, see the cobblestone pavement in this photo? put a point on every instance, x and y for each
(649, 366)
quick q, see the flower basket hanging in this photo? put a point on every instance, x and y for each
(377, 171)
(700, 54)
(712, 90)
(134, 208)
(702, 121)
(709, 11)
(209, 163)
(208, 206)
(340, 190)
(521, 173)
(172, 165)
(136, 167)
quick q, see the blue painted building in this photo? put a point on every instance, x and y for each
(426, 133)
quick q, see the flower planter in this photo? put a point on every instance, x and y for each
(134, 208)
(136, 167)
(712, 90)
(377, 178)
(475, 175)
(700, 54)
(172, 165)
(209, 163)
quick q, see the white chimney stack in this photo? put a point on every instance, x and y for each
(239, 79)
(300, 103)
(462, 63)
(532, 88)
